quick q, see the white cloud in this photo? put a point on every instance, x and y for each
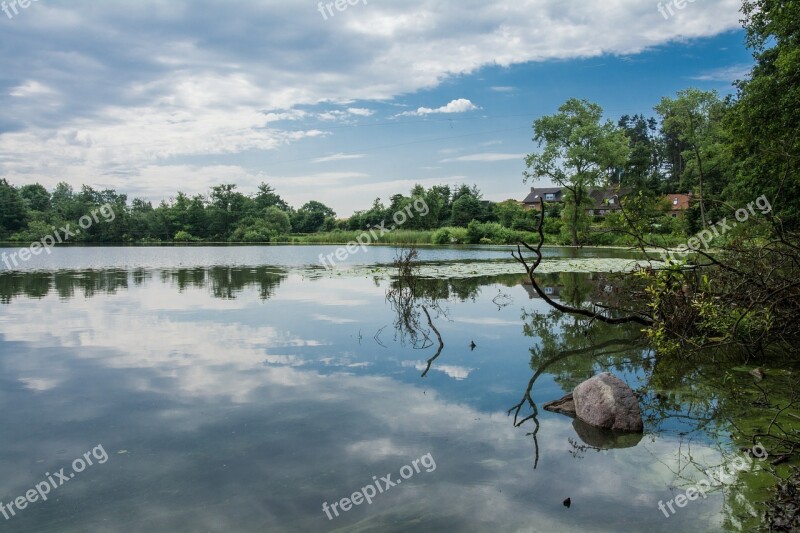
(338, 157)
(726, 74)
(484, 158)
(503, 89)
(186, 88)
(31, 88)
(461, 105)
(361, 112)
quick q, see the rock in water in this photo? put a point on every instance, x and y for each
(605, 401)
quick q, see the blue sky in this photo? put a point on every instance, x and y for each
(152, 97)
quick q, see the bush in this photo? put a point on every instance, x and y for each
(490, 230)
(552, 226)
(441, 236)
(450, 235)
(458, 236)
(185, 236)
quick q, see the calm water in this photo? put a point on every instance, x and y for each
(231, 391)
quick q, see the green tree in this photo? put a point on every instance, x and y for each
(13, 214)
(642, 170)
(466, 209)
(277, 220)
(36, 197)
(694, 117)
(578, 152)
(266, 197)
(763, 124)
(312, 217)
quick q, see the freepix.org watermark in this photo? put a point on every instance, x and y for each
(379, 486)
(9, 7)
(668, 11)
(417, 207)
(326, 8)
(704, 237)
(59, 236)
(52, 482)
(719, 476)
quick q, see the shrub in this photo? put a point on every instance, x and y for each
(441, 236)
(185, 236)
(490, 230)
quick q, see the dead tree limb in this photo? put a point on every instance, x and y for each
(438, 336)
(642, 319)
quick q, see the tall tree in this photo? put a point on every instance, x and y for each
(694, 117)
(267, 197)
(764, 125)
(12, 208)
(36, 197)
(578, 151)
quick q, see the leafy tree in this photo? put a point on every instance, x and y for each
(227, 207)
(765, 122)
(36, 197)
(694, 117)
(442, 195)
(642, 169)
(466, 209)
(277, 220)
(312, 217)
(13, 215)
(578, 152)
(266, 197)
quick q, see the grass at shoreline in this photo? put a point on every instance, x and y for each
(439, 237)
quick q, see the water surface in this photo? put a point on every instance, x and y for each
(233, 391)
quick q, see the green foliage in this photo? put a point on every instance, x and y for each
(578, 151)
(441, 236)
(12, 209)
(184, 236)
(313, 217)
(695, 119)
(762, 125)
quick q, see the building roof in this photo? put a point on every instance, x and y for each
(533, 196)
(678, 202)
(601, 196)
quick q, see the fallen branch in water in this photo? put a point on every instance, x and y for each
(642, 319)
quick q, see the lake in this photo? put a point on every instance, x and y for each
(250, 389)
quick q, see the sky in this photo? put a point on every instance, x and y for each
(339, 106)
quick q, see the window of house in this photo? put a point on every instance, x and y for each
(675, 201)
(549, 196)
(549, 290)
(611, 201)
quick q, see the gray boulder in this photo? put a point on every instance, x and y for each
(605, 401)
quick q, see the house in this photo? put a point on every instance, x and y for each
(678, 203)
(604, 200)
(550, 195)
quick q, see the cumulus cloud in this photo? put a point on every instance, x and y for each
(337, 157)
(360, 111)
(461, 105)
(484, 158)
(99, 91)
(726, 74)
